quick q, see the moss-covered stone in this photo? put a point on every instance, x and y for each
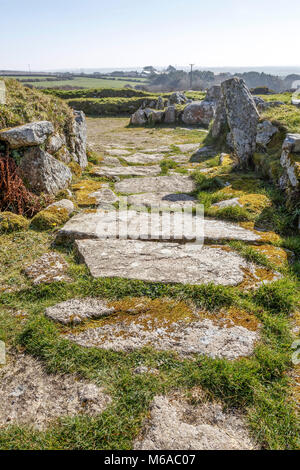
(10, 222)
(83, 189)
(50, 218)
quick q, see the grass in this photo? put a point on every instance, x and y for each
(83, 82)
(26, 105)
(257, 384)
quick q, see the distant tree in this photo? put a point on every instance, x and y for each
(171, 69)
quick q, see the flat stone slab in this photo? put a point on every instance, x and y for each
(31, 397)
(177, 424)
(117, 152)
(187, 147)
(126, 170)
(75, 311)
(162, 262)
(152, 226)
(104, 196)
(144, 158)
(173, 184)
(197, 337)
(149, 200)
(51, 267)
(110, 161)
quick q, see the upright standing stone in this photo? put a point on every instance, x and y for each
(242, 118)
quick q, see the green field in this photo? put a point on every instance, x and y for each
(83, 82)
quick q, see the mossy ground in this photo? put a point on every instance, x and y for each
(261, 385)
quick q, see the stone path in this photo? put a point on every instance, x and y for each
(164, 262)
(37, 403)
(175, 183)
(175, 424)
(126, 170)
(152, 226)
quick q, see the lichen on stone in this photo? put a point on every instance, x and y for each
(50, 218)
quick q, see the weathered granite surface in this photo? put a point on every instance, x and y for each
(152, 226)
(126, 170)
(34, 133)
(176, 424)
(162, 262)
(174, 183)
(75, 311)
(51, 267)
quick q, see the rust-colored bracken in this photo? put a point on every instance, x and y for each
(14, 196)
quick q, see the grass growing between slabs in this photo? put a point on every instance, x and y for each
(259, 385)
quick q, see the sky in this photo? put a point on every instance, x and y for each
(62, 34)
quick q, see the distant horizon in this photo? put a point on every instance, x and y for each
(272, 70)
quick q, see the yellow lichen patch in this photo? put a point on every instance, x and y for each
(150, 313)
(267, 237)
(252, 278)
(83, 189)
(234, 316)
(227, 160)
(255, 203)
(277, 256)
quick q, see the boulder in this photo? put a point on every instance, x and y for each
(64, 204)
(242, 118)
(220, 125)
(177, 98)
(138, 118)
(290, 180)
(198, 113)
(34, 133)
(78, 142)
(170, 115)
(213, 93)
(55, 143)
(43, 173)
(156, 117)
(265, 132)
(160, 103)
(292, 143)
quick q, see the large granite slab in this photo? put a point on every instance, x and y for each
(126, 170)
(162, 262)
(173, 184)
(152, 226)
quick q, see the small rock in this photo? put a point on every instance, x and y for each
(265, 132)
(64, 204)
(77, 310)
(51, 267)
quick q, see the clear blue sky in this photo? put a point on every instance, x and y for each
(57, 34)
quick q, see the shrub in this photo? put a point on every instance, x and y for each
(10, 222)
